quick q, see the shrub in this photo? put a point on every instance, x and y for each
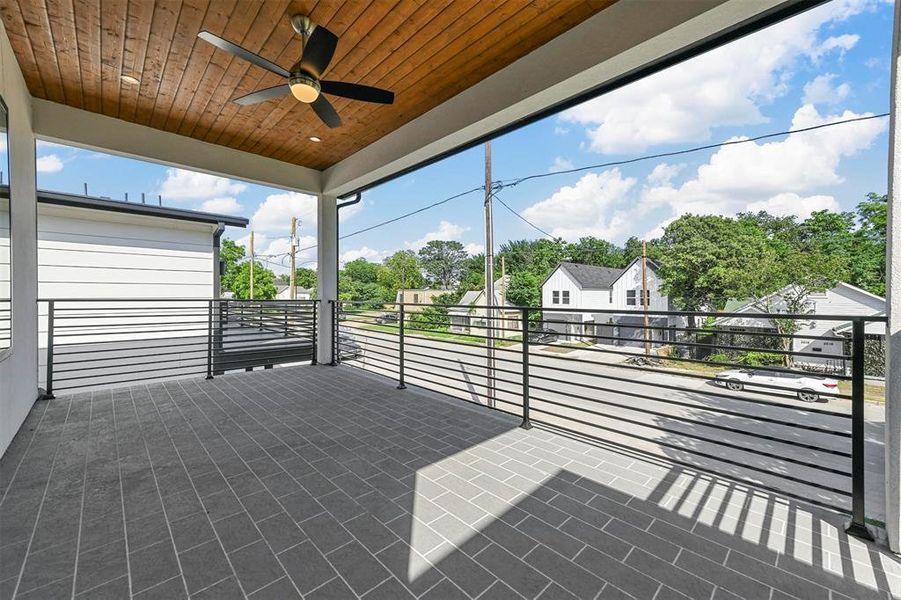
(718, 358)
(758, 359)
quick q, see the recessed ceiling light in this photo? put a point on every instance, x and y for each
(314, 138)
(129, 79)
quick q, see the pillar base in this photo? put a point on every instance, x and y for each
(859, 530)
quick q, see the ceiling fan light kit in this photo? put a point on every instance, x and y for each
(304, 88)
(304, 80)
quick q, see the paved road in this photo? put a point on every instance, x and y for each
(676, 416)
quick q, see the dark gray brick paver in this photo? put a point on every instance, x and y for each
(304, 482)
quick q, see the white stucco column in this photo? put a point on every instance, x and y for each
(327, 270)
(19, 366)
(893, 284)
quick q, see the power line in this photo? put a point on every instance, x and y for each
(514, 182)
(527, 222)
(499, 185)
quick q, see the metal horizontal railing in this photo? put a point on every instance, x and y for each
(771, 400)
(94, 342)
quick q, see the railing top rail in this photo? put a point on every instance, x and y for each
(272, 301)
(639, 311)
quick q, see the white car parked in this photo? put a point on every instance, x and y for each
(809, 387)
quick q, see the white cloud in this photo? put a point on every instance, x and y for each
(789, 203)
(473, 248)
(782, 176)
(560, 130)
(724, 87)
(49, 164)
(446, 231)
(842, 43)
(584, 208)
(275, 212)
(364, 252)
(222, 206)
(820, 90)
(560, 164)
(181, 184)
(664, 173)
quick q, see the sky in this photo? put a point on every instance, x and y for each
(828, 64)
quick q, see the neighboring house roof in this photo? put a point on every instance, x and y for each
(751, 308)
(135, 208)
(735, 304)
(590, 277)
(870, 328)
(474, 296)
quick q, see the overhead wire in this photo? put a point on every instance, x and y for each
(499, 185)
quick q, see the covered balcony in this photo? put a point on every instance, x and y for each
(155, 447)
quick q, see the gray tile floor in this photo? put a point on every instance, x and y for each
(322, 482)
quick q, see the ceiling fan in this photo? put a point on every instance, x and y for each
(305, 78)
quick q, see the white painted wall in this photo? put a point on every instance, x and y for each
(326, 271)
(893, 279)
(18, 369)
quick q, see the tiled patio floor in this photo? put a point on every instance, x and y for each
(321, 482)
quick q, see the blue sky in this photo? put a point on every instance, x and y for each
(828, 64)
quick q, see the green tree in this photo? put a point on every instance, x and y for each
(306, 278)
(263, 282)
(401, 270)
(231, 254)
(709, 259)
(362, 270)
(868, 266)
(524, 289)
(443, 261)
(597, 252)
(474, 273)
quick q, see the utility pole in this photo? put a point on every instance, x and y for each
(503, 295)
(489, 277)
(251, 265)
(644, 297)
(293, 274)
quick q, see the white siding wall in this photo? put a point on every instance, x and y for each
(631, 280)
(560, 281)
(86, 253)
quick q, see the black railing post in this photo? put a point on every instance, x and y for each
(315, 335)
(209, 342)
(400, 348)
(857, 527)
(524, 318)
(48, 393)
(334, 305)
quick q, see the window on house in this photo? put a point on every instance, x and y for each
(555, 297)
(565, 296)
(415, 298)
(633, 298)
(611, 296)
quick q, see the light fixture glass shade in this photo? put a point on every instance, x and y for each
(304, 88)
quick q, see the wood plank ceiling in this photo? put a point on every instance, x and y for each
(425, 51)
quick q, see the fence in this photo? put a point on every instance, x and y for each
(100, 342)
(754, 408)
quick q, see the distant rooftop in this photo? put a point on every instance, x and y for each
(135, 208)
